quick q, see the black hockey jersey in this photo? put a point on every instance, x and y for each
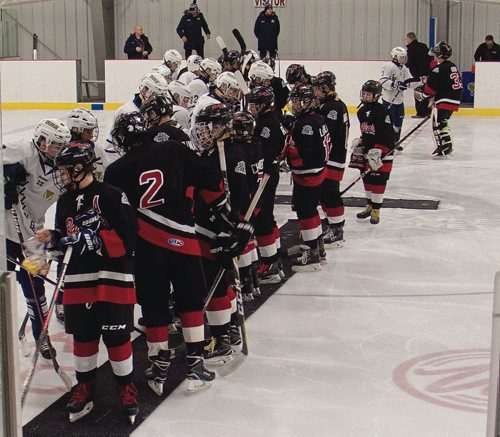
(252, 151)
(157, 178)
(307, 150)
(376, 131)
(169, 131)
(271, 133)
(445, 84)
(108, 276)
(337, 120)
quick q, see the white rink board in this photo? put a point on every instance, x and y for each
(39, 81)
(487, 85)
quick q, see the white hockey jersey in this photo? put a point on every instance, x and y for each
(198, 87)
(36, 196)
(392, 73)
(187, 77)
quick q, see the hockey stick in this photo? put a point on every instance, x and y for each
(240, 40)
(248, 215)
(25, 349)
(43, 334)
(236, 272)
(241, 82)
(65, 378)
(390, 152)
(223, 47)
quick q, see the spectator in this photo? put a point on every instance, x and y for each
(189, 30)
(137, 45)
(488, 51)
(419, 65)
(267, 29)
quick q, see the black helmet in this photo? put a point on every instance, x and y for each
(128, 130)
(209, 125)
(74, 153)
(372, 86)
(243, 125)
(324, 79)
(262, 97)
(296, 73)
(442, 50)
(303, 94)
(155, 108)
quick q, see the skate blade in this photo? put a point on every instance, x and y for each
(219, 361)
(237, 349)
(336, 243)
(89, 406)
(232, 366)
(195, 385)
(25, 347)
(157, 387)
(131, 418)
(308, 268)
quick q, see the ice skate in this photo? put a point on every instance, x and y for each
(322, 252)
(156, 375)
(198, 376)
(218, 352)
(375, 216)
(255, 280)
(309, 261)
(81, 402)
(247, 287)
(334, 236)
(235, 338)
(365, 213)
(268, 273)
(128, 397)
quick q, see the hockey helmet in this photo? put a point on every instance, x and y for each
(210, 124)
(210, 68)
(371, 86)
(228, 87)
(324, 82)
(82, 125)
(243, 125)
(399, 55)
(49, 136)
(441, 50)
(172, 59)
(193, 63)
(260, 99)
(164, 71)
(301, 98)
(295, 73)
(74, 161)
(260, 73)
(180, 93)
(155, 108)
(127, 131)
(153, 84)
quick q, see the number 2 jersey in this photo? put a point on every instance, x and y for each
(445, 84)
(158, 179)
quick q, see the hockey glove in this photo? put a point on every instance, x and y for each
(284, 167)
(14, 175)
(357, 155)
(356, 142)
(90, 219)
(374, 157)
(83, 242)
(419, 94)
(398, 85)
(225, 248)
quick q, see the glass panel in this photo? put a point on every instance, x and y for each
(8, 32)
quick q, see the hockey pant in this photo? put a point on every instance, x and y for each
(22, 276)
(155, 267)
(331, 202)
(305, 201)
(264, 223)
(375, 184)
(442, 131)
(396, 114)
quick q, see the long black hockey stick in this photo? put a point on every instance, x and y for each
(390, 152)
(240, 40)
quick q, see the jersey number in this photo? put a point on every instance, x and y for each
(153, 178)
(457, 82)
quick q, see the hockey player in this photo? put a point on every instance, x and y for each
(181, 97)
(376, 140)
(158, 113)
(445, 85)
(231, 62)
(296, 73)
(261, 74)
(28, 168)
(272, 135)
(336, 117)
(155, 177)
(164, 71)
(395, 79)
(173, 59)
(192, 69)
(210, 69)
(307, 148)
(97, 220)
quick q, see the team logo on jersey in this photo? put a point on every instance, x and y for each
(367, 128)
(266, 133)
(307, 130)
(125, 199)
(161, 137)
(240, 168)
(48, 195)
(79, 201)
(175, 242)
(388, 120)
(332, 115)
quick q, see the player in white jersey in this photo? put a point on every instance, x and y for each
(192, 70)
(172, 59)
(180, 96)
(395, 79)
(210, 69)
(30, 190)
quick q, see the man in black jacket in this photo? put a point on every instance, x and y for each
(419, 65)
(137, 45)
(488, 50)
(189, 30)
(267, 29)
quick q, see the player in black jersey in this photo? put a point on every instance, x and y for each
(158, 111)
(336, 117)
(377, 138)
(296, 74)
(307, 148)
(97, 220)
(445, 84)
(271, 133)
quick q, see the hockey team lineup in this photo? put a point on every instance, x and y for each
(177, 201)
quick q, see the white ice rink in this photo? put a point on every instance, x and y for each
(391, 339)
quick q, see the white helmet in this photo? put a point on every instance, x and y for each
(79, 120)
(49, 137)
(172, 59)
(153, 84)
(163, 70)
(211, 68)
(260, 72)
(228, 87)
(399, 55)
(249, 58)
(180, 93)
(193, 63)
